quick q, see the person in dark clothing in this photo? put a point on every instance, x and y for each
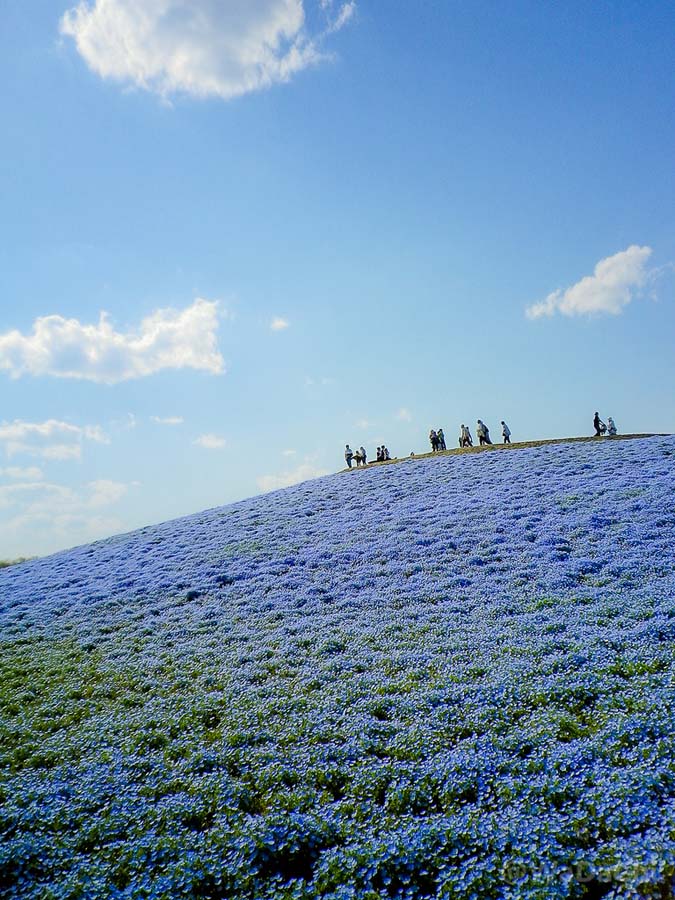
(441, 439)
(385, 454)
(483, 432)
(380, 455)
(349, 455)
(364, 457)
(506, 432)
(433, 440)
(599, 425)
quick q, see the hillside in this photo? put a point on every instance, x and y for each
(449, 679)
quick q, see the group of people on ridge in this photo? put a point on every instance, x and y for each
(437, 439)
(601, 428)
(483, 434)
(360, 458)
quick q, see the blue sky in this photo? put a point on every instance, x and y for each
(393, 184)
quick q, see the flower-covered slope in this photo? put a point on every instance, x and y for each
(446, 678)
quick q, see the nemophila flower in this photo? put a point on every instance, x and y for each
(447, 678)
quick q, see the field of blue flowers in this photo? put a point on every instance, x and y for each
(448, 678)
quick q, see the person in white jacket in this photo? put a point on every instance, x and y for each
(506, 432)
(611, 427)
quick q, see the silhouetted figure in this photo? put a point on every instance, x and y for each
(483, 432)
(441, 439)
(380, 455)
(364, 457)
(433, 440)
(349, 455)
(599, 425)
(506, 432)
(385, 454)
(465, 439)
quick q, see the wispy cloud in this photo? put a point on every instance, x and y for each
(167, 420)
(615, 281)
(210, 442)
(303, 472)
(198, 47)
(26, 473)
(51, 439)
(404, 415)
(39, 515)
(67, 348)
(279, 324)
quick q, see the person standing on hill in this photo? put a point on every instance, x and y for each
(364, 458)
(349, 455)
(433, 440)
(483, 432)
(441, 439)
(465, 439)
(506, 432)
(599, 425)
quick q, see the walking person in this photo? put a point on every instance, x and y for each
(465, 439)
(506, 432)
(483, 432)
(441, 439)
(599, 425)
(349, 455)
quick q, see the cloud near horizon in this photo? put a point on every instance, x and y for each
(615, 281)
(35, 512)
(167, 420)
(210, 442)
(67, 348)
(304, 472)
(203, 48)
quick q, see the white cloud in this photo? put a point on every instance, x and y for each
(198, 47)
(51, 439)
(303, 472)
(345, 14)
(364, 424)
(278, 324)
(404, 415)
(41, 516)
(105, 492)
(28, 473)
(289, 452)
(67, 348)
(167, 420)
(210, 442)
(615, 281)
